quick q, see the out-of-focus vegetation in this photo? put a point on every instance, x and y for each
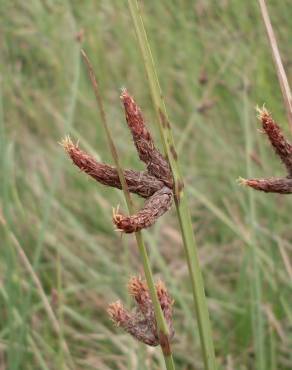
(215, 66)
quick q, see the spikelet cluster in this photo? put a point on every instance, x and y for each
(140, 322)
(155, 184)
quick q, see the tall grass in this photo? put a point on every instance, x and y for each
(38, 61)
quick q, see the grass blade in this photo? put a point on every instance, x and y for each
(47, 306)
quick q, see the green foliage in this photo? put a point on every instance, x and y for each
(63, 221)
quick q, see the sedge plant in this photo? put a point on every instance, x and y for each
(151, 322)
(179, 194)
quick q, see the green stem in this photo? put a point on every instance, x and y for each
(180, 197)
(160, 319)
(255, 277)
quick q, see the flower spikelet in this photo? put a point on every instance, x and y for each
(141, 323)
(155, 184)
(119, 315)
(281, 185)
(154, 207)
(282, 147)
(140, 183)
(156, 164)
(166, 303)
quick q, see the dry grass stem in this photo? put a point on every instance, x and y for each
(282, 77)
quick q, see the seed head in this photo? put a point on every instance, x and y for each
(119, 315)
(138, 289)
(281, 146)
(166, 303)
(141, 323)
(156, 164)
(140, 183)
(281, 185)
(155, 184)
(154, 207)
(135, 119)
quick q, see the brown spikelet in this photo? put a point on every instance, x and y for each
(136, 121)
(139, 291)
(155, 184)
(119, 315)
(140, 183)
(133, 323)
(156, 164)
(141, 323)
(281, 185)
(155, 206)
(281, 146)
(166, 303)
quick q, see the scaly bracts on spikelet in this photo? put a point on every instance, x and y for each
(283, 149)
(156, 164)
(155, 185)
(140, 183)
(141, 323)
(155, 206)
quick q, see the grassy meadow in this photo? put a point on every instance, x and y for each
(61, 260)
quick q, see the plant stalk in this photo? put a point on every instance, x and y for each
(160, 319)
(179, 195)
(255, 277)
(282, 77)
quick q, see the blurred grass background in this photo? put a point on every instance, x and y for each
(215, 66)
